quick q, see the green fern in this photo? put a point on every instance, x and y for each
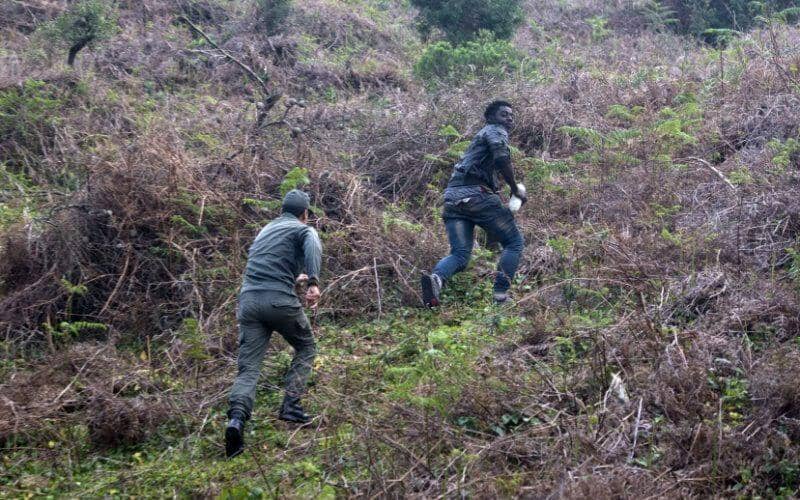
(457, 149)
(790, 15)
(71, 329)
(587, 135)
(180, 221)
(263, 205)
(449, 132)
(784, 153)
(658, 16)
(721, 36)
(294, 179)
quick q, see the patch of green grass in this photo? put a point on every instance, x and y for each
(411, 357)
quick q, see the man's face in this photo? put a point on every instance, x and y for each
(505, 117)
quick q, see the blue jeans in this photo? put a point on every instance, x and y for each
(486, 210)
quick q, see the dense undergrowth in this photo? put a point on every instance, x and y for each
(653, 345)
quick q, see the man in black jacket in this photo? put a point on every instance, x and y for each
(471, 199)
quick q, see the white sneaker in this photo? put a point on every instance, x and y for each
(500, 297)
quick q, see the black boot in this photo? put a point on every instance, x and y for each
(234, 436)
(431, 288)
(291, 411)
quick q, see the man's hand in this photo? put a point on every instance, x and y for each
(300, 283)
(312, 296)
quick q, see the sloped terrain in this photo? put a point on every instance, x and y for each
(653, 345)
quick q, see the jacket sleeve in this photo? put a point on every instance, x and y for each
(312, 249)
(497, 140)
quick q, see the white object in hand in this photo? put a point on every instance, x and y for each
(514, 204)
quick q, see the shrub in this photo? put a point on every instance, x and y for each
(484, 57)
(462, 20)
(17, 201)
(273, 13)
(27, 115)
(697, 17)
(84, 24)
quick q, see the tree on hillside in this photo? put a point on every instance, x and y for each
(84, 24)
(462, 20)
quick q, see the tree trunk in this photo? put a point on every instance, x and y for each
(73, 51)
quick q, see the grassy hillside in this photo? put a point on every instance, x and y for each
(653, 344)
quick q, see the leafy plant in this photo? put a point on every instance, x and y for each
(437, 368)
(794, 265)
(180, 221)
(463, 20)
(70, 330)
(734, 392)
(623, 113)
(191, 333)
(607, 149)
(785, 154)
(73, 290)
(569, 350)
(16, 200)
(294, 179)
(562, 245)
(509, 422)
(27, 113)
(263, 205)
(84, 24)
(599, 27)
(538, 171)
(741, 176)
(393, 217)
(675, 129)
(449, 132)
(486, 56)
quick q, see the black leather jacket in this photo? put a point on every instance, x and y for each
(477, 166)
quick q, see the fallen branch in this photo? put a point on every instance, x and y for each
(713, 169)
(377, 286)
(636, 431)
(122, 276)
(270, 98)
(78, 375)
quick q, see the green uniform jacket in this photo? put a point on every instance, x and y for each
(281, 251)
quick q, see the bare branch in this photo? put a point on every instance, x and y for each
(270, 98)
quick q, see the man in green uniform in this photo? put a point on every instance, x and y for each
(267, 303)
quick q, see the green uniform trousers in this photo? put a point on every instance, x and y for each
(260, 313)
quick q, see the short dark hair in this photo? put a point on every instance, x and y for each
(296, 211)
(493, 106)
